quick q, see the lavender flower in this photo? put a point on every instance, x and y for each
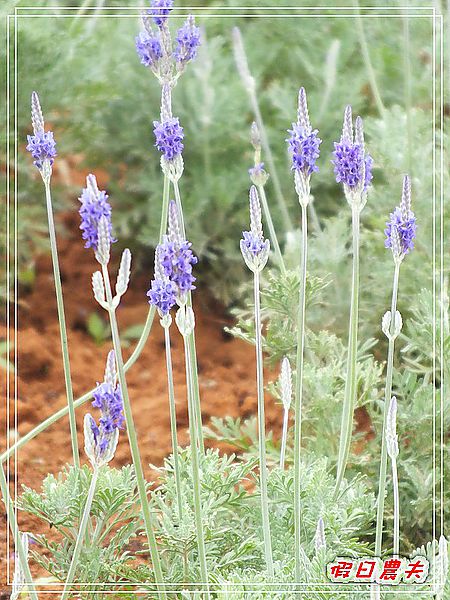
(163, 291)
(188, 41)
(160, 10)
(174, 260)
(101, 439)
(94, 206)
(254, 248)
(352, 165)
(401, 228)
(148, 47)
(169, 137)
(41, 145)
(303, 143)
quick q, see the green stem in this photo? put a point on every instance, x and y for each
(191, 340)
(284, 438)
(195, 456)
(80, 536)
(262, 431)
(396, 508)
(272, 233)
(350, 380)
(11, 516)
(368, 62)
(173, 421)
(267, 151)
(299, 394)
(130, 362)
(387, 399)
(132, 438)
(62, 325)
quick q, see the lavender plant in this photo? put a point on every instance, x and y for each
(42, 147)
(352, 168)
(400, 233)
(255, 251)
(303, 144)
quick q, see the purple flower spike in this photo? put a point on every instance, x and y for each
(101, 438)
(303, 142)
(254, 248)
(401, 228)
(169, 137)
(148, 48)
(160, 10)
(174, 260)
(188, 41)
(94, 205)
(352, 165)
(42, 147)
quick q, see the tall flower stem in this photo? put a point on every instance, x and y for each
(299, 393)
(132, 437)
(272, 233)
(173, 420)
(195, 457)
(350, 380)
(262, 430)
(80, 535)
(284, 438)
(130, 362)
(62, 324)
(11, 515)
(387, 397)
(191, 340)
(396, 547)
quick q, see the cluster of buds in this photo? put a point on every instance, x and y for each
(352, 164)
(257, 173)
(166, 59)
(401, 228)
(100, 440)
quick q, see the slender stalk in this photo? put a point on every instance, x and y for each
(80, 536)
(191, 340)
(195, 456)
(272, 233)
(396, 508)
(173, 421)
(11, 516)
(130, 362)
(299, 394)
(262, 431)
(132, 438)
(350, 380)
(284, 438)
(273, 172)
(368, 62)
(387, 397)
(62, 325)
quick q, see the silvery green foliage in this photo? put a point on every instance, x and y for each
(18, 581)
(386, 325)
(115, 519)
